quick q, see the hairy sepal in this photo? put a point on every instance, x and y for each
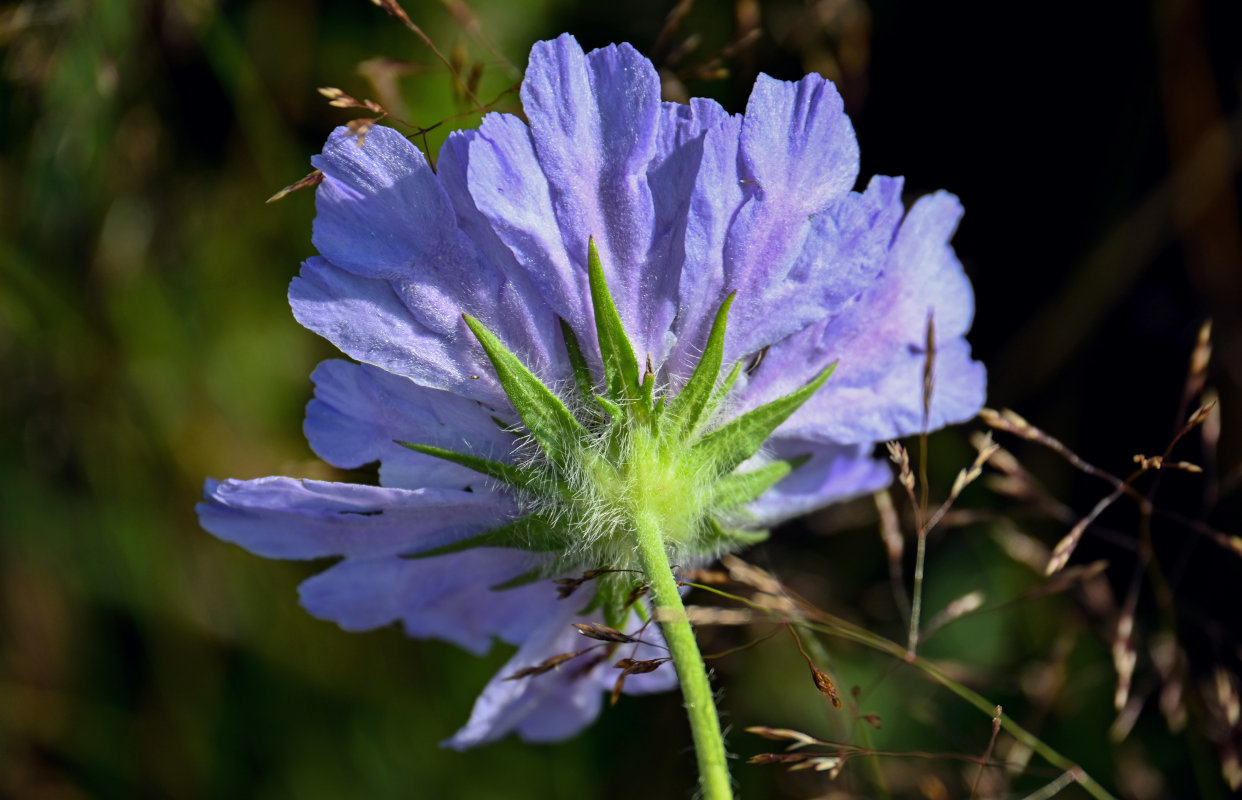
(739, 488)
(734, 442)
(533, 481)
(687, 407)
(545, 416)
(531, 532)
(620, 365)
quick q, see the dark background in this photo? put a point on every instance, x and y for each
(145, 343)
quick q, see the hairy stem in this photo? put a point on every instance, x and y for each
(695, 687)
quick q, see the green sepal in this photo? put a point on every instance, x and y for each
(546, 417)
(738, 440)
(611, 592)
(531, 533)
(525, 579)
(740, 488)
(582, 371)
(612, 409)
(723, 391)
(529, 480)
(693, 399)
(646, 391)
(717, 539)
(620, 365)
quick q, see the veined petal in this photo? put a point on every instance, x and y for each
(302, 519)
(557, 704)
(879, 338)
(368, 320)
(593, 120)
(506, 704)
(366, 202)
(499, 188)
(714, 201)
(833, 473)
(447, 597)
(360, 413)
(798, 154)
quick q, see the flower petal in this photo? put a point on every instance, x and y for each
(360, 413)
(506, 704)
(366, 204)
(445, 597)
(500, 191)
(798, 154)
(557, 704)
(714, 200)
(593, 120)
(879, 337)
(301, 519)
(368, 320)
(833, 473)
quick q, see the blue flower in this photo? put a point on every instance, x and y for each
(468, 290)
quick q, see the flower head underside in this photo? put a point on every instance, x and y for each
(623, 309)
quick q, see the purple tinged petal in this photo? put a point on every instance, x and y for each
(506, 704)
(303, 519)
(368, 200)
(499, 188)
(359, 413)
(368, 320)
(798, 154)
(879, 337)
(384, 214)
(445, 597)
(833, 473)
(593, 119)
(558, 704)
(797, 143)
(714, 201)
(891, 405)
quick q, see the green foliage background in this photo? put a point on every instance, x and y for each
(145, 344)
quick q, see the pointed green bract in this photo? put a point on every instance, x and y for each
(718, 539)
(582, 371)
(740, 488)
(612, 409)
(739, 439)
(534, 481)
(620, 365)
(531, 532)
(545, 416)
(688, 406)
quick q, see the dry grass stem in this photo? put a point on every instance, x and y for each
(987, 754)
(894, 547)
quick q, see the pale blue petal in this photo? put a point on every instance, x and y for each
(714, 201)
(384, 214)
(878, 338)
(798, 154)
(301, 519)
(560, 703)
(505, 704)
(593, 119)
(359, 413)
(834, 473)
(499, 188)
(369, 321)
(444, 597)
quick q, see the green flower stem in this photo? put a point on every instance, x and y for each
(697, 690)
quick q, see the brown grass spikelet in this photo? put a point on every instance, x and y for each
(546, 665)
(603, 633)
(797, 738)
(310, 181)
